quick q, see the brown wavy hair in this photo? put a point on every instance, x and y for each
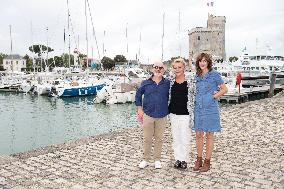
(207, 58)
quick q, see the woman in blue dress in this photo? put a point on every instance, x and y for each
(209, 86)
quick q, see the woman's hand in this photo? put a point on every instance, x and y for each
(215, 95)
(221, 92)
(140, 112)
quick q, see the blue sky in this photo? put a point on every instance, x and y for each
(248, 21)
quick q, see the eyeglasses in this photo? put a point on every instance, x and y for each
(158, 67)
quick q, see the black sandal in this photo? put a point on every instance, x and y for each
(177, 164)
(183, 165)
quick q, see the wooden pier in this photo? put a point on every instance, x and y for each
(249, 94)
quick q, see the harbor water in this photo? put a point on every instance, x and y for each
(29, 122)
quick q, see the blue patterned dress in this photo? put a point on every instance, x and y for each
(206, 111)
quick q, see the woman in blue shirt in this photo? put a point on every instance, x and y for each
(209, 86)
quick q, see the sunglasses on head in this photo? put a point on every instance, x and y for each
(158, 67)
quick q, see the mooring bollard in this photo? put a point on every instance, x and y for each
(272, 79)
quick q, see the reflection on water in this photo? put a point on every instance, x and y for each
(28, 122)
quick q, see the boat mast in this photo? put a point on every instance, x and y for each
(94, 32)
(104, 43)
(40, 49)
(163, 34)
(33, 47)
(86, 32)
(179, 34)
(69, 56)
(47, 47)
(126, 39)
(11, 50)
(139, 50)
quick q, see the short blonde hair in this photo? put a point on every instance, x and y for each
(179, 60)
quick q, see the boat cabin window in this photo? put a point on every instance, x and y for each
(224, 74)
(56, 82)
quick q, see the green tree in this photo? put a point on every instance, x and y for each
(39, 49)
(84, 58)
(29, 62)
(58, 61)
(65, 58)
(233, 59)
(82, 55)
(120, 59)
(107, 63)
(2, 56)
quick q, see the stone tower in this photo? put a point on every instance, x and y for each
(210, 39)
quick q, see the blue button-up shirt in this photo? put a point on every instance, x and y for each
(155, 102)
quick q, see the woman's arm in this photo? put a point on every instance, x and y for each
(221, 92)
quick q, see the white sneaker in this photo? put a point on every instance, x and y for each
(158, 165)
(143, 164)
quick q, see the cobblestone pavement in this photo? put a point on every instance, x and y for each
(249, 153)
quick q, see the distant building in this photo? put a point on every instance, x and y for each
(14, 62)
(210, 39)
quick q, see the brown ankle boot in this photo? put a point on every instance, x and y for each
(198, 164)
(206, 166)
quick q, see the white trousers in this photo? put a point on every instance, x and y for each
(181, 132)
